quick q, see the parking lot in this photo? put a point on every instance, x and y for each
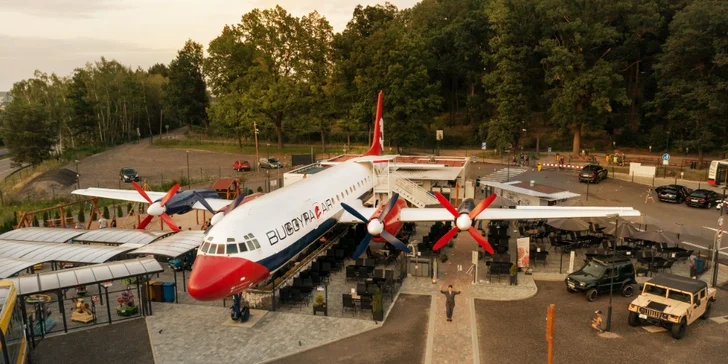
(514, 332)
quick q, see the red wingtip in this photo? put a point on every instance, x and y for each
(378, 140)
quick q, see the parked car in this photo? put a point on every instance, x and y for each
(673, 302)
(703, 198)
(592, 173)
(270, 163)
(241, 166)
(600, 275)
(128, 175)
(673, 193)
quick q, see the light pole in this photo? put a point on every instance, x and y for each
(78, 176)
(188, 170)
(257, 156)
(614, 257)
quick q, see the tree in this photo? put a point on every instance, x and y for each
(106, 213)
(26, 130)
(693, 75)
(186, 97)
(584, 84)
(119, 213)
(81, 215)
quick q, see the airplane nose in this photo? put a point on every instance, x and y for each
(216, 277)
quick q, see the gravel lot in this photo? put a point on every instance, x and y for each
(514, 332)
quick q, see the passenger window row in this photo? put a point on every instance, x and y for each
(250, 243)
(342, 196)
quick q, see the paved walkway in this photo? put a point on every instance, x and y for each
(182, 333)
(463, 329)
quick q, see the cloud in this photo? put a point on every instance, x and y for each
(61, 8)
(21, 56)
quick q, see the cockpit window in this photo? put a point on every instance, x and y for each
(242, 247)
(220, 248)
(212, 249)
(255, 242)
(250, 245)
(232, 249)
(204, 247)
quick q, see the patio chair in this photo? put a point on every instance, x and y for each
(361, 289)
(350, 272)
(366, 303)
(347, 303)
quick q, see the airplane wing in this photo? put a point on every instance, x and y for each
(125, 195)
(518, 213)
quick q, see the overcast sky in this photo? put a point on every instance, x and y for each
(60, 35)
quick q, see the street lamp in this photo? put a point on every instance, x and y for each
(78, 176)
(614, 257)
(257, 156)
(188, 170)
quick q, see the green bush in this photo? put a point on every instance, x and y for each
(250, 192)
(119, 213)
(260, 189)
(45, 217)
(69, 212)
(57, 215)
(93, 215)
(106, 213)
(81, 215)
(128, 208)
(377, 301)
(35, 221)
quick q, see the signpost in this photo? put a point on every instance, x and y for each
(665, 163)
(484, 146)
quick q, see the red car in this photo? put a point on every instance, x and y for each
(241, 166)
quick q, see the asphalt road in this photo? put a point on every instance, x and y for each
(514, 332)
(120, 343)
(401, 339)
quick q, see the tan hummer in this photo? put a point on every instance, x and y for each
(673, 302)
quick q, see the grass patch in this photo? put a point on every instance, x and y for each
(230, 146)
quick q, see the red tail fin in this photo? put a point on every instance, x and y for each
(378, 140)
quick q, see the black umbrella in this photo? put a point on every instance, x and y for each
(626, 230)
(657, 237)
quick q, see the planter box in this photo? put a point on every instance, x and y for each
(378, 316)
(321, 309)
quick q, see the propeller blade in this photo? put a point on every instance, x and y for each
(362, 246)
(169, 222)
(446, 238)
(145, 222)
(169, 195)
(394, 241)
(481, 240)
(141, 191)
(203, 202)
(482, 206)
(356, 214)
(388, 207)
(446, 204)
(236, 202)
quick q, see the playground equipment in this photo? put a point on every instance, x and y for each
(81, 312)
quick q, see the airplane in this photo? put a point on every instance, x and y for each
(254, 240)
(173, 202)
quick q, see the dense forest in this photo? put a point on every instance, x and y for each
(586, 74)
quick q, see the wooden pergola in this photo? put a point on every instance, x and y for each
(26, 217)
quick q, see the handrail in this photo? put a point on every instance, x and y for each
(413, 189)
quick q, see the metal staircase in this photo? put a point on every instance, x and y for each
(389, 181)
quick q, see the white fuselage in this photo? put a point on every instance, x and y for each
(287, 220)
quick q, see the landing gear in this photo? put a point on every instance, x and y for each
(239, 312)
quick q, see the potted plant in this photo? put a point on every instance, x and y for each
(443, 257)
(320, 305)
(377, 312)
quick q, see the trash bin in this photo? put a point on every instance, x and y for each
(150, 291)
(157, 292)
(539, 166)
(168, 288)
(699, 265)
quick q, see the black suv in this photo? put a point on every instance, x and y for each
(128, 175)
(592, 173)
(673, 193)
(599, 275)
(703, 198)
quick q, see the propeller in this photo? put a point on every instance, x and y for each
(157, 208)
(375, 227)
(464, 222)
(218, 216)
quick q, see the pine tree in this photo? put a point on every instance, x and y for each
(106, 213)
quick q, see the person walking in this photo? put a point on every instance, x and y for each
(649, 197)
(597, 321)
(449, 300)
